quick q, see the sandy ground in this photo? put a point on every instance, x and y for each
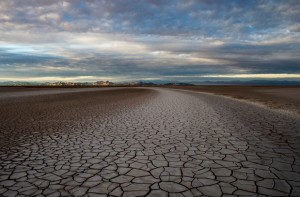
(9, 92)
(145, 142)
(276, 97)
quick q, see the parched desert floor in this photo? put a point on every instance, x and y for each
(144, 142)
(284, 98)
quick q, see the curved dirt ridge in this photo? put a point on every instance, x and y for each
(171, 143)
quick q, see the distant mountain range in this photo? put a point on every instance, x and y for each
(252, 82)
(148, 83)
(97, 83)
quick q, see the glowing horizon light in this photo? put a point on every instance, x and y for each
(53, 79)
(267, 76)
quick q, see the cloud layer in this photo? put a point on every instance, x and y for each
(154, 39)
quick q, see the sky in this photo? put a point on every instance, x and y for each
(130, 40)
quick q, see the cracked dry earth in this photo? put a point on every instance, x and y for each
(146, 142)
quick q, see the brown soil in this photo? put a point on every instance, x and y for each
(51, 113)
(277, 97)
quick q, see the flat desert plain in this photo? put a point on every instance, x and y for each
(147, 142)
(285, 98)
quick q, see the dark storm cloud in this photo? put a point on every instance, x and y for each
(8, 58)
(150, 38)
(262, 58)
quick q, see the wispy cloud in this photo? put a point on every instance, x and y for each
(135, 39)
